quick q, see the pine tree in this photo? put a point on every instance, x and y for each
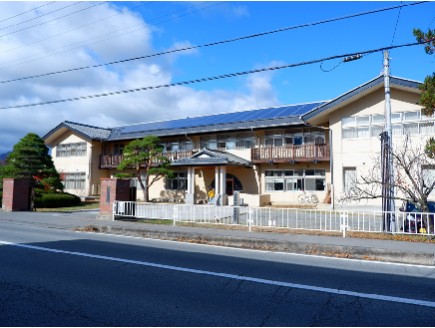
(30, 158)
(145, 157)
(427, 97)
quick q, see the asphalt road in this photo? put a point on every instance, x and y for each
(52, 277)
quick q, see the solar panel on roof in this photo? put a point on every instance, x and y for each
(258, 114)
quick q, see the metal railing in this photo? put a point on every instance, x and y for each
(289, 218)
(112, 161)
(292, 152)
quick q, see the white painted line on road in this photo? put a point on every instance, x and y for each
(233, 276)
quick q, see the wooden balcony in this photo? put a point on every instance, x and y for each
(112, 161)
(290, 154)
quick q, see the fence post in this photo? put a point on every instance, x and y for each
(174, 214)
(343, 223)
(250, 219)
(113, 210)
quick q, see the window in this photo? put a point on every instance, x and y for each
(411, 116)
(429, 177)
(362, 120)
(71, 149)
(177, 182)
(402, 123)
(376, 131)
(378, 119)
(76, 180)
(427, 128)
(411, 128)
(349, 178)
(348, 121)
(118, 149)
(289, 180)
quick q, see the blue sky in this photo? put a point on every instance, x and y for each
(50, 38)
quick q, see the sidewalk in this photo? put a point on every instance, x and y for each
(356, 248)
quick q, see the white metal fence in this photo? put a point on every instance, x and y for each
(303, 219)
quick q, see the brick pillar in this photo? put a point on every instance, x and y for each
(111, 190)
(16, 194)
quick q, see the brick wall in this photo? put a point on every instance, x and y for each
(111, 190)
(16, 194)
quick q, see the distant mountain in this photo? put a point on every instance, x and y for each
(3, 156)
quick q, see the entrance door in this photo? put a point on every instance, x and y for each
(230, 186)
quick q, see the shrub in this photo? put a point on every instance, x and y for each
(53, 200)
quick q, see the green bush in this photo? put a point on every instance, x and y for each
(53, 200)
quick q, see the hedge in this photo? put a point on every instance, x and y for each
(53, 200)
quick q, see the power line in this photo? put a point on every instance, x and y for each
(49, 21)
(216, 42)
(397, 23)
(212, 78)
(37, 17)
(73, 29)
(25, 12)
(111, 33)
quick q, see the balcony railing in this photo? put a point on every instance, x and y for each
(112, 161)
(302, 153)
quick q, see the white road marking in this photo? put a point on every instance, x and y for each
(233, 276)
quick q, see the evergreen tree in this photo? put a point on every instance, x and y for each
(30, 159)
(145, 157)
(427, 97)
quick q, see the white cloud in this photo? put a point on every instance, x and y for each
(152, 105)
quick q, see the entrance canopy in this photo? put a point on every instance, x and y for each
(206, 157)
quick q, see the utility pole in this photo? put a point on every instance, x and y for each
(388, 206)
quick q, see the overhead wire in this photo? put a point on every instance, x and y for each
(216, 42)
(128, 32)
(39, 16)
(397, 23)
(25, 12)
(55, 19)
(73, 29)
(211, 78)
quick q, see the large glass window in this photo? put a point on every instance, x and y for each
(75, 180)
(349, 178)
(371, 126)
(233, 141)
(177, 182)
(290, 180)
(71, 149)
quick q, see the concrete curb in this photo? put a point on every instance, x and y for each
(351, 252)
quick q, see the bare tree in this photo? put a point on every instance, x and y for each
(413, 176)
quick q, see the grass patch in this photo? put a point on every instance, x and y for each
(398, 236)
(81, 207)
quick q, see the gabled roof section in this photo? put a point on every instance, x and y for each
(359, 91)
(87, 132)
(253, 119)
(212, 157)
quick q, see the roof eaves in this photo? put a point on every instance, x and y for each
(359, 90)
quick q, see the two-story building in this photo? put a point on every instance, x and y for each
(269, 155)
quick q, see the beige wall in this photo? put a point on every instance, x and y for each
(73, 164)
(360, 152)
